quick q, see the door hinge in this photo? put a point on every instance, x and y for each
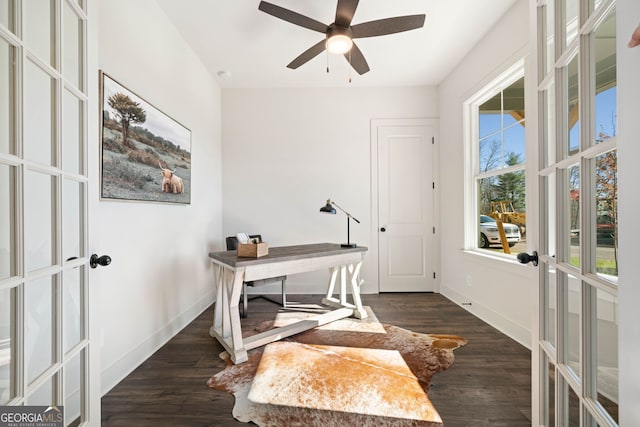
(434, 230)
(433, 140)
(433, 185)
(434, 274)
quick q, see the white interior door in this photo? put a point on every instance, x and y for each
(44, 281)
(405, 207)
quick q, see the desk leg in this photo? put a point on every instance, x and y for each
(220, 317)
(227, 281)
(239, 352)
(354, 272)
(217, 310)
(343, 284)
(227, 328)
(333, 272)
(348, 273)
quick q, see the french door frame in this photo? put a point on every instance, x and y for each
(48, 45)
(568, 289)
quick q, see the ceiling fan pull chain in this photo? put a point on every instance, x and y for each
(327, 62)
(350, 66)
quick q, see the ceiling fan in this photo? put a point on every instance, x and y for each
(340, 34)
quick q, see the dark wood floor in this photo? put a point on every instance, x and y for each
(488, 385)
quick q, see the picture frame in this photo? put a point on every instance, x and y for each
(145, 155)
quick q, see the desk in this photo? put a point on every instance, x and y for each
(231, 271)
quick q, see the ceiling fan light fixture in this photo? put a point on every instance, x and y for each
(339, 40)
(339, 44)
(340, 34)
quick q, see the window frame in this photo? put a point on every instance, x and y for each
(473, 175)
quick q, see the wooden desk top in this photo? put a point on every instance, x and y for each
(284, 253)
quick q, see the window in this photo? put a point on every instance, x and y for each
(496, 146)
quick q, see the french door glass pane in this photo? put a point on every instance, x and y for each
(573, 319)
(573, 108)
(607, 352)
(606, 227)
(39, 327)
(574, 409)
(551, 305)
(38, 212)
(38, 28)
(574, 213)
(571, 20)
(549, 125)
(7, 345)
(72, 308)
(74, 389)
(7, 99)
(71, 219)
(551, 215)
(7, 221)
(72, 47)
(551, 395)
(44, 394)
(549, 44)
(606, 112)
(38, 114)
(71, 133)
(6, 14)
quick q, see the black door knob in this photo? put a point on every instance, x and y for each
(95, 260)
(525, 258)
(382, 229)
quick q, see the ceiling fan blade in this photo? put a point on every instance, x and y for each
(292, 17)
(356, 59)
(345, 11)
(308, 55)
(386, 26)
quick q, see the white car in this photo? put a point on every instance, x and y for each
(489, 234)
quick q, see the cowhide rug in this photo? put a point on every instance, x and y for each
(343, 373)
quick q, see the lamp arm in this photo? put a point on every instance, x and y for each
(346, 213)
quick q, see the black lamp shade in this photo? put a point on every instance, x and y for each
(328, 208)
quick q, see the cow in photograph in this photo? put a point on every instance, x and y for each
(171, 183)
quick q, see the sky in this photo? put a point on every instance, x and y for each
(157, 122)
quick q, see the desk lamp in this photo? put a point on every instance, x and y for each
(329, 208)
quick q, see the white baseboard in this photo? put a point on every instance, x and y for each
(115, 373)
(514, 331)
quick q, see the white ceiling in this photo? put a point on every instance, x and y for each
(255, 48)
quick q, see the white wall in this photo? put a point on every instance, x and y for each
(499, 291)
(628, 17)
(287, 150)
(160, 277)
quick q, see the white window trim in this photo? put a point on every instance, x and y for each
(471, 162)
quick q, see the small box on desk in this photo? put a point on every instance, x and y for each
(253, 250)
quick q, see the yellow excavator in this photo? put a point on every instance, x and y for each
(503, 210)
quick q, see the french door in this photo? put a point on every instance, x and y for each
(44, 289)
(577, 177)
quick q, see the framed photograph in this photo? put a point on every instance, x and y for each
(145, 154)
